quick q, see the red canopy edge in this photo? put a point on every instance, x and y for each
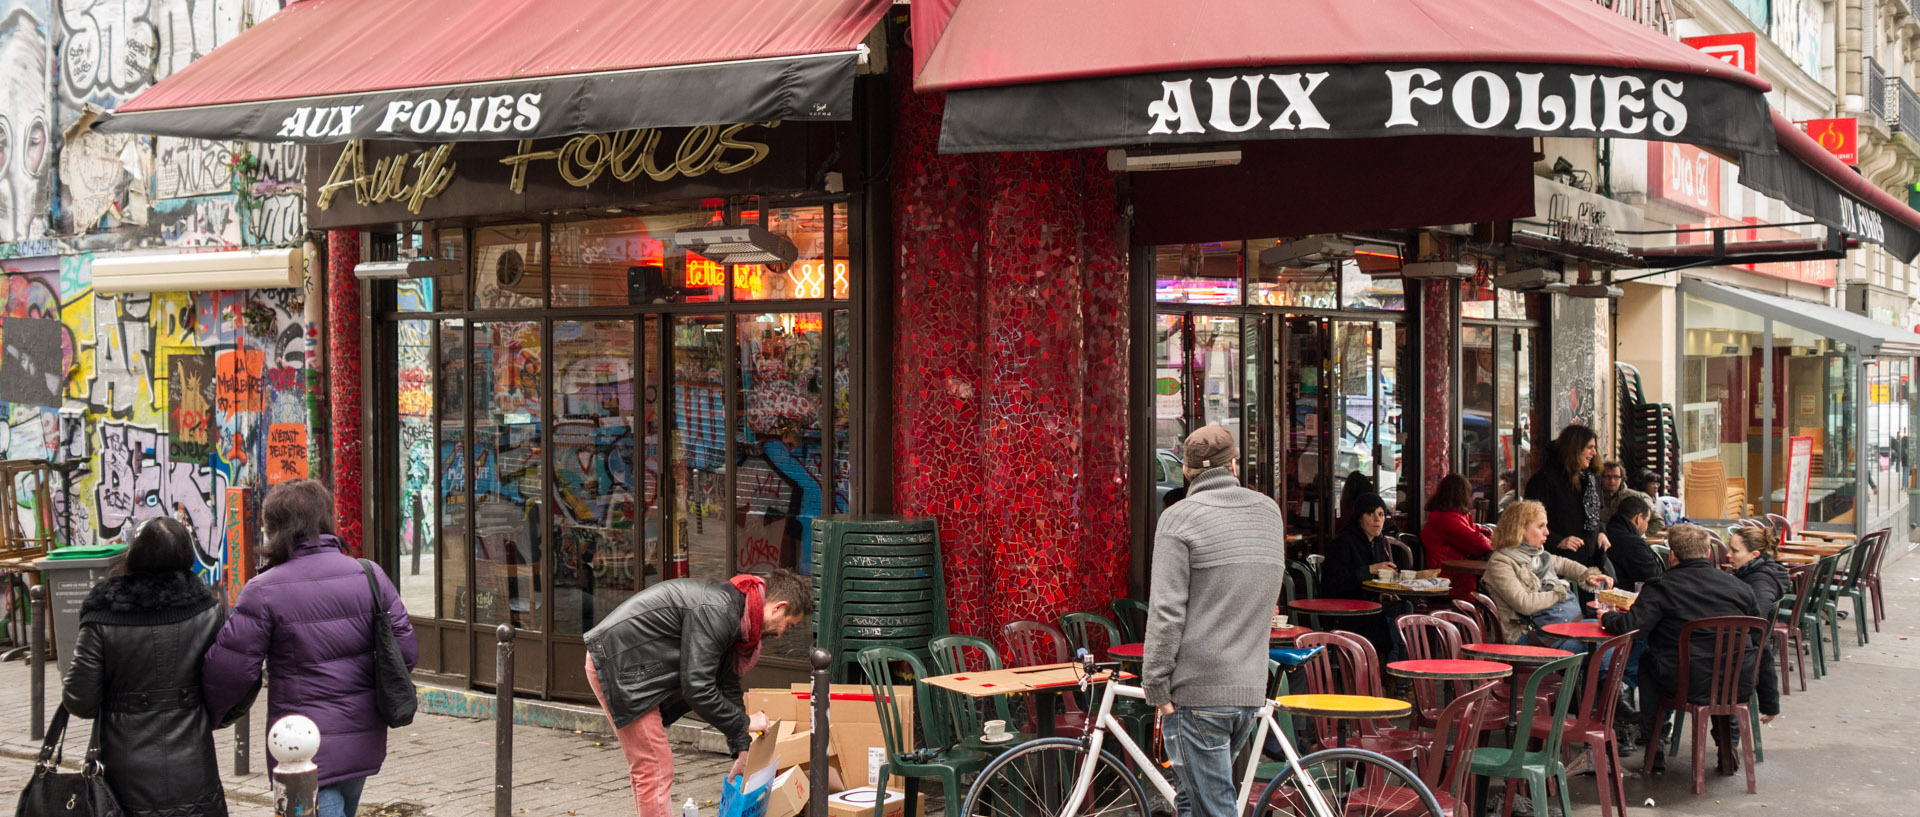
(989, 43)
(1803, 147)
(318, 48)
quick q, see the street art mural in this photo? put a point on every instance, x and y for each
(183, 404)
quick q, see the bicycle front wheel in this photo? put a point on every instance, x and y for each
(1352, 783)
(1036, 779)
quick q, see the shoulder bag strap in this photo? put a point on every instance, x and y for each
(53, 749)
(373, 589)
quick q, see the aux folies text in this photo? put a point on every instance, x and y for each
(1624, 105)
(498, 113)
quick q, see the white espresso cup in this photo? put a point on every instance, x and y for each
(1409, 575)
(996, 729)
(1280, 622)
(1383, 574)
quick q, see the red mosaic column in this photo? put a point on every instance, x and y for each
(1437, 384)
(1010, 393)
(343, 390)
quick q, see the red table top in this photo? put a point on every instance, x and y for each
(1335, 607)
(1288, 633)
(1127, 652)
(1471, 566)
(1449, 669)
(1513, 653)
(1578, 630)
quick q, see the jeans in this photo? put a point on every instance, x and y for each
(1568, 609)
(1201, 741)
(341, 799)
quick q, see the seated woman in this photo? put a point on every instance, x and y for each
(1357, 550)
(1529, 586)
(1449, 535)
(1751, 551)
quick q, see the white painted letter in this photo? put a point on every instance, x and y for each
(455, 120)
(1175, 105)
(1671, 118)
(1532, 104)
(1622, 94)
(1300, 112)
(1498, 99)
(1222, 118)
(499, 113)
(527, 112)
(346, 120)
(1582, 102)
(293, 125)
(397, 112)
(1405, 94)
(430, 108)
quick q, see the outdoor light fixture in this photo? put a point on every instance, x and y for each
(1307, 252)
(1135, 162)
(747, 244)
(1438, 270)
(1594, 291)
(1534, 278)
(404, 268)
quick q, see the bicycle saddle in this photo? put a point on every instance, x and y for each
(1293, 658)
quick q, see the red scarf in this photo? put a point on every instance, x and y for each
(746, 652)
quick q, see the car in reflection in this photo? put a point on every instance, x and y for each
(1358, 439)
(1166, 476)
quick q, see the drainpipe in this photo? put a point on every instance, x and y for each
(53, 128)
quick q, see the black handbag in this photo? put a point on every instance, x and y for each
(54, 793)
(393, 695)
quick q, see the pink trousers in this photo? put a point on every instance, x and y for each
(649, 757)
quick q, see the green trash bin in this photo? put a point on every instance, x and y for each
(69, 574)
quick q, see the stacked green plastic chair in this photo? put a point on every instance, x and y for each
(877, 582)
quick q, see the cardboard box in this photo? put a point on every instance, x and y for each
(783, 704)
(859, 803)
(859, 745)
(792, 744)
(787, 796)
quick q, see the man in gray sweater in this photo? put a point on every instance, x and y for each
(1219, 558)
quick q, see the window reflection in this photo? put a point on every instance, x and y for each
(597, 562)
(506, 474)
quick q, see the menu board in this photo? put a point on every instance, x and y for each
(1799, 473)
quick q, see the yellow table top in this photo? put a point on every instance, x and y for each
(1343, 706)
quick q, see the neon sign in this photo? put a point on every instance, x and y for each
(702, 272)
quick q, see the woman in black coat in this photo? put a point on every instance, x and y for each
(136, 671)
(1357, 550)
(1569, 486)
(1751, 551)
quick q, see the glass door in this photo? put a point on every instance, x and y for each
(1303, 389)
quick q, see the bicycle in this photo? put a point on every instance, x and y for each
(1028, 780)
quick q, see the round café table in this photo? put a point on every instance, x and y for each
(1333, 608)
(1588, 631)
(1470, 567)
(1523, 658)
(1343, 708)
(1283, 636)
(1449, 669)
(1127, 652)
(1402, 591)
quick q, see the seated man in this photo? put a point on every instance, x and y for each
(1634, 562)
(1692, 589)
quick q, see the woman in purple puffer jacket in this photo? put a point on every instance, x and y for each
(310, 617)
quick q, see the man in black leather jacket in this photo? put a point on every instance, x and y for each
(681, 646)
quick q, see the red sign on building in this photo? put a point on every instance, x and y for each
(1684, 176)
(1737, 50)
(1841, 137)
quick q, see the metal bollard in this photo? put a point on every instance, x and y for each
(503, 726)
(817, 753)
(37, 655)
(293, 741)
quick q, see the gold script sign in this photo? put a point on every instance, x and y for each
(421, 175)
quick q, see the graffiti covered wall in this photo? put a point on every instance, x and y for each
(165, 403)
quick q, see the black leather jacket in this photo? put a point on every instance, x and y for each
(671, 647)
(136, 670)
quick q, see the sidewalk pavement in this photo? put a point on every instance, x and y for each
(438, 766)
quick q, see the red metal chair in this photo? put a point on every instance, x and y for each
(1489, 616)
(1732, 638)
(1870, 583)
(1033, 643)
(1348, 667)
(1787, 636)
(1428, 638)
(1445, 762)
(1592, 723)
(1470, 632)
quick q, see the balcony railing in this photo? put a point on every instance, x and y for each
(1656, 14)
(1876, 89)
(1906, 108)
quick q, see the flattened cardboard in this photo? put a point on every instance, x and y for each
(787, 796)
(854, 724)
(859, 803)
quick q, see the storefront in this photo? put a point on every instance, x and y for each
(1761, 372)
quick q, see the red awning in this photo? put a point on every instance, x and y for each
(331, 70)
(1023, 75)
(1816, 183)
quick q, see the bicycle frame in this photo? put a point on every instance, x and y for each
(1105, 724)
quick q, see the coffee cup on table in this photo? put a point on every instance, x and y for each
(995, 730)
(1280, 622)
(1384, 574)
(1409, 575)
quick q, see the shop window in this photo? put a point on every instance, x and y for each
(842, 253)
(508, 556)
(809, 276)
(1269, 285)
(842, 414)
(1169, 404)
(510, 267)
(778, 485)
(450, 464)
(596, 512)
(448, 293)
(1198, 273)
(418, 482)
(1370, 281)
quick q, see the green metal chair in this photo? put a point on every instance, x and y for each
(1849, 584)
(1092, 632)
(955, 654)
(945, 761)
(1131, 615)
(1305, 581)
(1826, 596)
(1536, 768)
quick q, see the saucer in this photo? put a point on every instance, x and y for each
(1004, 737)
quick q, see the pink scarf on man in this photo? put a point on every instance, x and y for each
(746, 652)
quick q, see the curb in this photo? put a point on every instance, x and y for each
(230, 787)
